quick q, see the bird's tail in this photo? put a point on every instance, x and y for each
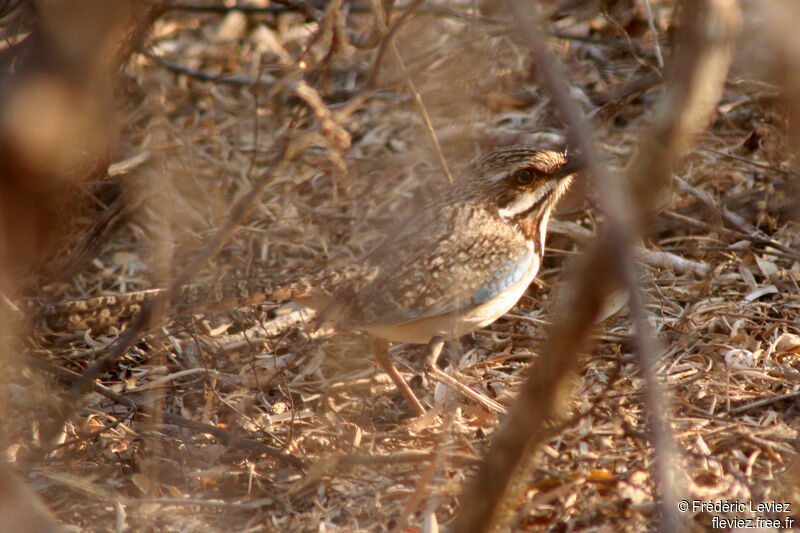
(101, 311)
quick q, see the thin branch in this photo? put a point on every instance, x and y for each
(652, 258)
(426, 118)
(287, 7)
(387, 39)
(651, 25)
(224, 436)
(153, 310)
(289, 148)
(217, 78)
(696, 85)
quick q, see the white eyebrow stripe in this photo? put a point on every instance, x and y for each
(525, 201)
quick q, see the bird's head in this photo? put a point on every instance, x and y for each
(522, 182)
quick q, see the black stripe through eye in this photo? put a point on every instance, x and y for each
(539, 206)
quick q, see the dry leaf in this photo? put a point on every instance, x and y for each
(766, 266)
(496, 102)
(738, 358)
(788, 343)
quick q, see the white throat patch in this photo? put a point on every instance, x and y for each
(526, 200)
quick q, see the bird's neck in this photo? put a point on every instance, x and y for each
(534, 228)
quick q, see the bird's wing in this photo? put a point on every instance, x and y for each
(460, 259)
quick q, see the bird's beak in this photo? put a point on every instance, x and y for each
(574, 163)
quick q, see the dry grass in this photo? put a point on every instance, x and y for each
(731, 338)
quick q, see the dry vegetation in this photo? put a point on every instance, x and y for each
(198, 133)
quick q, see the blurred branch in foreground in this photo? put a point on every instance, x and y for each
(58, 65)
(21, 510)
(779, 56)
(698, 72)
(57, 118)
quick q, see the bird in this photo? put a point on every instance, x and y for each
(456, 265)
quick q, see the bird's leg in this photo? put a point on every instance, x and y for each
(381, 351)
(432, 352)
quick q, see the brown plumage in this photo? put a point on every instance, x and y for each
(457, 265)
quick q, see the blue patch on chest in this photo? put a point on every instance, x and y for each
(503, 278)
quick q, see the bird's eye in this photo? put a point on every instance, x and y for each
(523, 176)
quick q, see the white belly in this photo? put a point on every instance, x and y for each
(453, 325)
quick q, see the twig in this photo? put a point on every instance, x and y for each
(626, 94)
(381, 13)
(21, 509)
(413, 456)
(695, 89)
(217, 78)
(426, 118)
(794, 254)
(764, 401)
(150, 311)
(676, 263)
(439, 11)
(287, 7)
(387, 39)
(651, 25)
(539, 397)
(653, 258)
(749, 161)
(657, 406)
(224, 436)
(729, 216)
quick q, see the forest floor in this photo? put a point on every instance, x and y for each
(191, 145)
